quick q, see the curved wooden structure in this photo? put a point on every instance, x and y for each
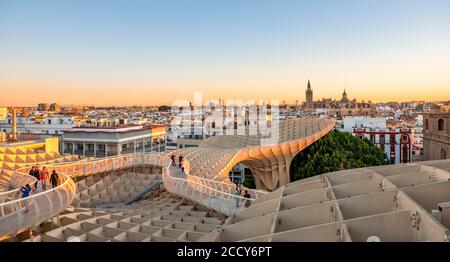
(205, 180)
(269, 163)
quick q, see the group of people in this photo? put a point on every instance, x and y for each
(238, 192)
(180, 161)
(41, 175)
(238, 186)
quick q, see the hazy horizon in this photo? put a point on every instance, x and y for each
(204, 102)
(123, 53)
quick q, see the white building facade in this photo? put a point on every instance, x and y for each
(352, 122)
(51, 125)
(396, 144)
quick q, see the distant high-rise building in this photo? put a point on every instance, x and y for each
(309, 96)
(43, 107)
(55, 108)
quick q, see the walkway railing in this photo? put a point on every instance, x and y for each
(171, 176)
(213, 194)
(19, 214)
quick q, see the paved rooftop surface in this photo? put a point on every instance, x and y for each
(408, 202)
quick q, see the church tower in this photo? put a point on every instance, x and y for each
(344, 99)
(309, 96)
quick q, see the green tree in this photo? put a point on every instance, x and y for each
(336, 151)
(249, 180)
(164, 108)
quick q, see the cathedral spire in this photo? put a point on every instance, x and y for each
(309, 96)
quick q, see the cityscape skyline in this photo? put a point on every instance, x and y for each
(157, 52)
(254, 121)
(289, 101)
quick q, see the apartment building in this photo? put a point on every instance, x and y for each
(104, 141)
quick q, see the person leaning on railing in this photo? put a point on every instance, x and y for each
(26, 190)
(247, 201)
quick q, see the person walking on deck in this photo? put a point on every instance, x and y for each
(239, 186)
(34, 172)
(54, 179)
(237, 193)
(182, 168)
(43, 178)
(31, 172)
(180, 161)
(172, 157)
(247, 196)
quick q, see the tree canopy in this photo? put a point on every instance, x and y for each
(164, 108)
(336, 151)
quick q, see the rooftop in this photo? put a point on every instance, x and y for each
(115, 129)
(408, 202)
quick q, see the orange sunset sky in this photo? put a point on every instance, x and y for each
(154, 52)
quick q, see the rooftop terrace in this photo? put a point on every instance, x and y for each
(408, 202)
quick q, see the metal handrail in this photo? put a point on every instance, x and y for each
(66, 180)
(20, 214)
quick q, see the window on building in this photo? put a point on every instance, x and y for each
(426, 124)
(405, 138)
(441, 124)
(68, 147)
(80, 147)
(49, 121)
(56, 131)
(443, 154)
(392, 139)
(61, 121)
(382, 139)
